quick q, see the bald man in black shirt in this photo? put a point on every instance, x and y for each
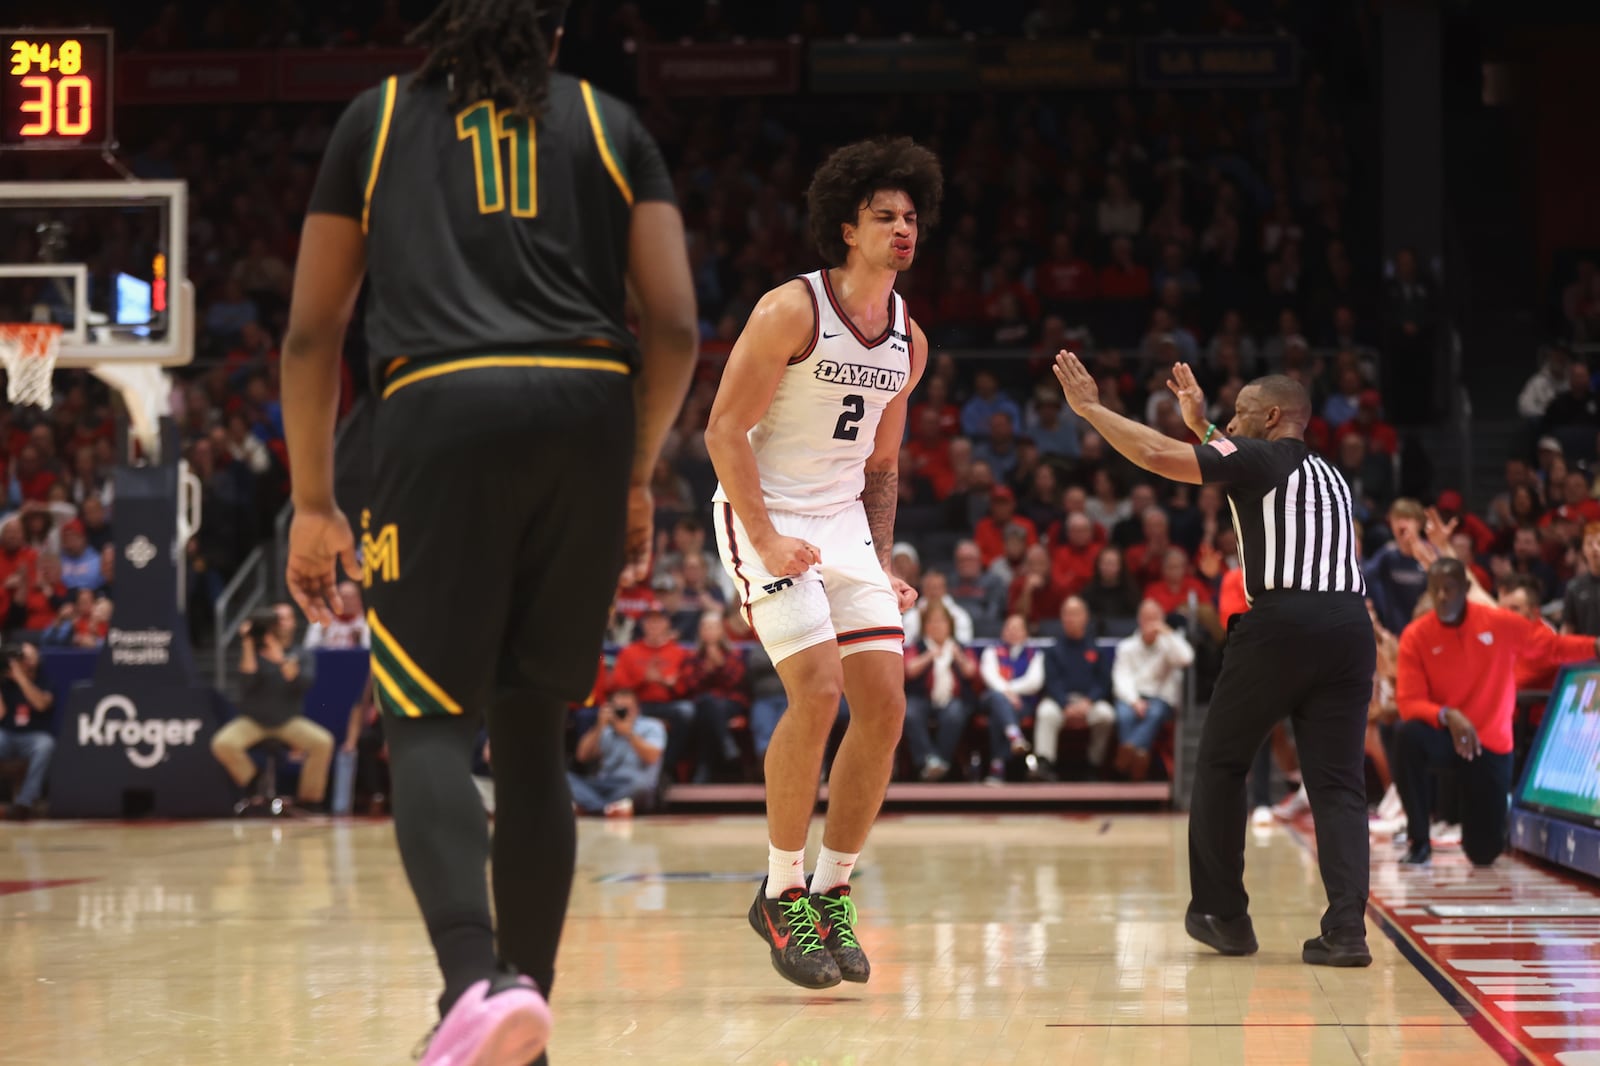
(1305, 650)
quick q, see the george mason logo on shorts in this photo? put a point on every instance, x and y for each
(380, 555)
(867, 377)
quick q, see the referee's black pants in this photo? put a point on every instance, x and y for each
(1307, 656)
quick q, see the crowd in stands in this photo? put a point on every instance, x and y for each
(57, 564)
(1066, 600)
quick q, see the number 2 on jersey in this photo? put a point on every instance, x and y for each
(855, 406)
(486, 126)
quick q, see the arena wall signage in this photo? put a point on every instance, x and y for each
(719, 69)
(961, 66)
(250, 77)
(137, 736)
(1217, 62)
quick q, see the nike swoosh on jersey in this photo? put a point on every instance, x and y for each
(829, 336)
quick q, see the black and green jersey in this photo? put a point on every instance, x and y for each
(492, 235)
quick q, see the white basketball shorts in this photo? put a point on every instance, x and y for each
(847, 597)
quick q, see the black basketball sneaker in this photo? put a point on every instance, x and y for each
(793, 930)
(838, 912)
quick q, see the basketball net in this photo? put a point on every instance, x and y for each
(28, 350)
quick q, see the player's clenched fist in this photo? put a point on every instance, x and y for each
(788, 556)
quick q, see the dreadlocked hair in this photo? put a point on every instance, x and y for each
(491, 50)
(850, 177)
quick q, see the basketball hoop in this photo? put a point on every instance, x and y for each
(28, 350)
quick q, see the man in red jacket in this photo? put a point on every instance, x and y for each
(1456, 692)
(655, 668)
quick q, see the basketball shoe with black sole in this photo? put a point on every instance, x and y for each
(794, 931)
(838, 912)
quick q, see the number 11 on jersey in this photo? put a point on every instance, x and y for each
(486, 126)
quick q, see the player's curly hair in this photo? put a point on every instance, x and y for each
(852, 174)
(494, 49)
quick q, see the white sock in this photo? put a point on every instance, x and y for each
(833, 869)
(785, 870)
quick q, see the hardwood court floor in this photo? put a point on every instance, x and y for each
(995, 939)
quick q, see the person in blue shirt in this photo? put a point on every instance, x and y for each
(1000, 449)
(1077, 692)
(80, 564)
(625, 748)
(987, 401)
(1052, 426)
(1343, 405)
(1395, 580)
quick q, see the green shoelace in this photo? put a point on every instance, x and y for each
(842, 914)
(802, 917)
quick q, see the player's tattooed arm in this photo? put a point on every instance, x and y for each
(879, 497)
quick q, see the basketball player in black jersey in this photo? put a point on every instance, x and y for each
(500, 212)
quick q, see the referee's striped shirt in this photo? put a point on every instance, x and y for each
(1292, 514)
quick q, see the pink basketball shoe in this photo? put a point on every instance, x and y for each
(504, 1022)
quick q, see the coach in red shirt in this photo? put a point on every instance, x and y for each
(1456, 691)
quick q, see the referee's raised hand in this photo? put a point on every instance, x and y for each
(1079, 386)
(1191, 398)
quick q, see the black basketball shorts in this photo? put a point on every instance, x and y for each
(492, 548)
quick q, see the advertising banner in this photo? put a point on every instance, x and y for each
(718, 69)
(1218, 62)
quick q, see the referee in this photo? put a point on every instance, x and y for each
(1305, 650)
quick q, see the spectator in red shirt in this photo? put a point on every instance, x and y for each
(930, 450)
(1450, 511)
(991, 532)
(960, 304)
(717, 684)
(31, 477)
(18, 564)
(1368, 423)
(1123, 278)
(1577, 506)
(937, 400)
(1456, 693)
(1065, 277)
(40, 605)
(1521, 595)
(1144, 560)
(1072, 562)
(655, 669)
(92, 620)
(1034, 594)
(1177, 583)
(1005, 280)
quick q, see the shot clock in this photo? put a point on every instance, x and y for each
(55, 89)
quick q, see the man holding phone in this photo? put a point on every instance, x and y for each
(624, 749)
(273, 683)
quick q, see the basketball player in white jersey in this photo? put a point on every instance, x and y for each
(805, 435)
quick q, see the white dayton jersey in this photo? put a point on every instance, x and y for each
(813, 443)
(811, 449)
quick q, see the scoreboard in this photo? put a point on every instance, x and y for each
(55, 89)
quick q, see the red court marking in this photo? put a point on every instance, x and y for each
(1530, 986)
(8, 888)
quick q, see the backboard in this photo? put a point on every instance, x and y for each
(106, 261)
